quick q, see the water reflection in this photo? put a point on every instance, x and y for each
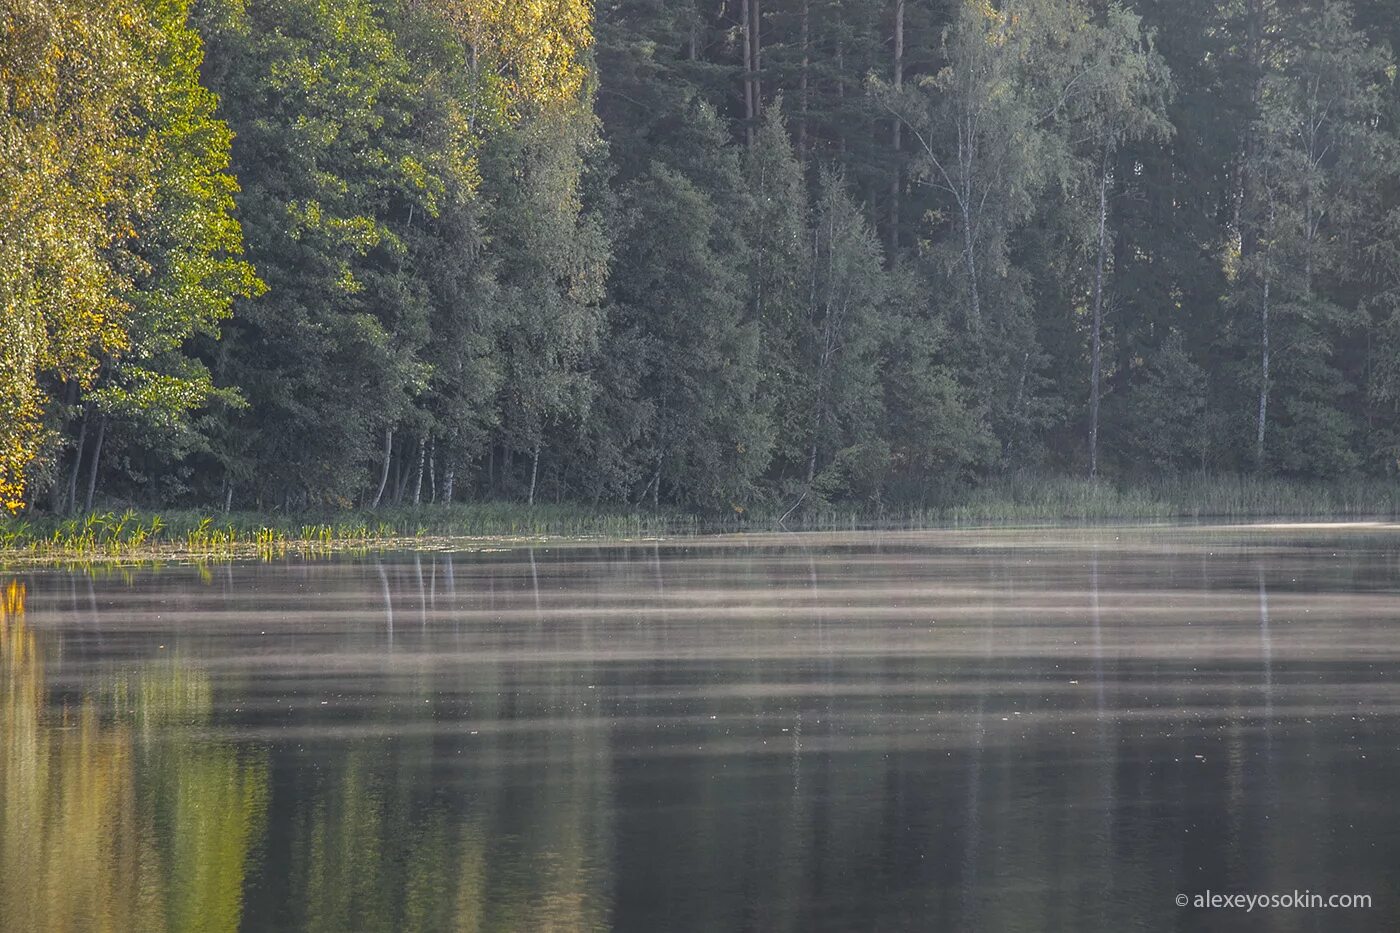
(103, 828)
(898, 732)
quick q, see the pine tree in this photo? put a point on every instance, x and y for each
(681, 297)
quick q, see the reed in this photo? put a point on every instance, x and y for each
(1015, 500)
(1038, 499)
(197, 535)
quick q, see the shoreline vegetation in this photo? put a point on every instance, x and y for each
(194, 535)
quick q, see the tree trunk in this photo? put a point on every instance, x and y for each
(1263, 373)
(96, 459)
(830, 325)
(840, 76)
(802, 92)
(744, 27)
(60, 488)
(534, 473)
(399, 480)
(449, 469)
(71, 504)
(418, 472)
(1254, 64)
(1096, 364)
(402, 475)
(384, 472)
(432, 472)
(819, 408)
(970, 260)
(228, 495)
(656, 485)
(756, 38)
(1308, 245)
(895, 126)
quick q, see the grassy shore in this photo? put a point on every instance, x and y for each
(140, 535)
(1061, 499)
(184, 534)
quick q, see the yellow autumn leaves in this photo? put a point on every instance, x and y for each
(535, 47)
(71, 176)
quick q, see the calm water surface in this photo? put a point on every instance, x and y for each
(1044, 730)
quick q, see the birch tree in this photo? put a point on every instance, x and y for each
(843, 334)
(989, 134)
(1318, 144)
(1125, 87)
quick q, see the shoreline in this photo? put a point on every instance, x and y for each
(1023, 501)
(973, 537)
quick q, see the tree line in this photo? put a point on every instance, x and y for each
(298, 254)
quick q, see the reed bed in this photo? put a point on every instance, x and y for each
(133, 534)
(1038, 499)
(194, 535)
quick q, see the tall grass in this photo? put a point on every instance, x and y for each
(110, 535)
(1033, 499)
(1024, 500)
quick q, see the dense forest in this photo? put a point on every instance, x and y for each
(300, 253)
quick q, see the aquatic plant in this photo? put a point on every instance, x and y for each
(132, 535)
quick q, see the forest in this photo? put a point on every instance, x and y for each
(295, 254)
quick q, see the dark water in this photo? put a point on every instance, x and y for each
(1045, 730)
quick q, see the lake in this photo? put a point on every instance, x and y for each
(1044, 729)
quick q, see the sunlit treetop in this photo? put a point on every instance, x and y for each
(535, 48)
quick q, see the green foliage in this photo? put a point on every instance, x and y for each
(1163, 421)
(302, 256)
(838, 397)
(680, 301)
(119, 207)
(1315, 143)
(191, 249)
(552, 255)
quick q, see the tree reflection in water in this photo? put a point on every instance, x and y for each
(120, 813)
(982, 730)
(102, 825)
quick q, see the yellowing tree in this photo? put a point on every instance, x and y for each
(534, 49)
(70, 182)
(117, 241)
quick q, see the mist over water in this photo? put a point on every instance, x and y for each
(1012, 730)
